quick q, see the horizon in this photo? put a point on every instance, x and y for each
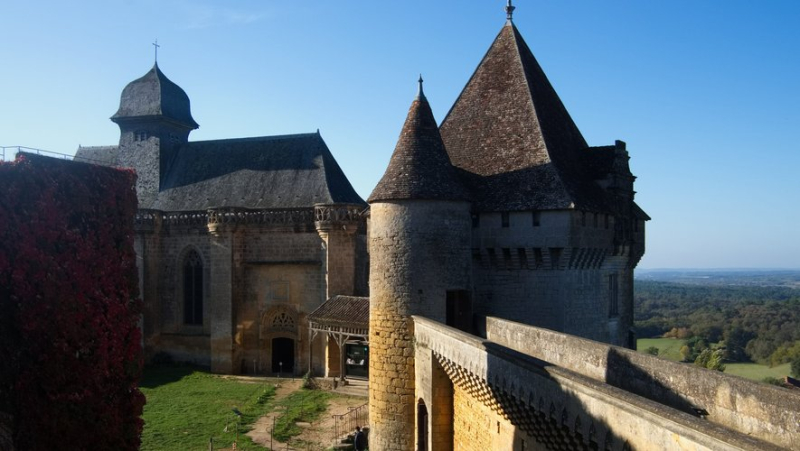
(708, 111)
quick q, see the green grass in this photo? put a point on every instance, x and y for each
(304, 406)
(668, 348)
(185, 407)
(757, 372)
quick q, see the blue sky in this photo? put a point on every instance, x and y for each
(706, 94)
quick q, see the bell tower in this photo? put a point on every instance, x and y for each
(155, 120)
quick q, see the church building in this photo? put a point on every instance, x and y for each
(237, 240)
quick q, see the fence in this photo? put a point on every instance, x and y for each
(8, 153)
(346, 423)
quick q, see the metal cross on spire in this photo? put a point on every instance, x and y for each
(155, 44)
(510, 10)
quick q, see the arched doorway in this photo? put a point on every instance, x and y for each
(283, 355)
(422, 426)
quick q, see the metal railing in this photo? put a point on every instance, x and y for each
(8, 153)
(347, 422)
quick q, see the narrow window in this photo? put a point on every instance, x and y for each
(537, 219)
(476, 220)
(606, 220)
(613, 296)
(595, 220)
(583, 219)
(193, 289)
(504, 219)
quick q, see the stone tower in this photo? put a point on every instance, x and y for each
(154, 119)
(419, 265)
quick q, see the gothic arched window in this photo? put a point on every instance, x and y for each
(193, 289)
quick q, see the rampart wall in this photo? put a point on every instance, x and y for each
(519, 401)
(759, 410)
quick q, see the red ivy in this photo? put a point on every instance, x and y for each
(70, 344)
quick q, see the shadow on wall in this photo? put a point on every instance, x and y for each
(621, 372)
(550, 417)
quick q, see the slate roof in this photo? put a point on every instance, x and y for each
(344, 311)
(419, 167)
(152, 95)
(514, 139)
(286, 171)
(103, 155)
(270, 172)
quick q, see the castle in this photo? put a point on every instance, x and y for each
(487, 285)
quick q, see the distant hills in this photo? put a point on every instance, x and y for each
(789, 278)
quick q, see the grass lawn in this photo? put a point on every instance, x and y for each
(668, 348)
(186, 406)
(301, 406)
(757, 372)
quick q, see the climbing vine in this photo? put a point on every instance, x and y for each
(69, 338)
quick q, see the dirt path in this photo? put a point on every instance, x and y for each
(262, 427)
(315, 436)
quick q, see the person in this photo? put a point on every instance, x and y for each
(360, 440)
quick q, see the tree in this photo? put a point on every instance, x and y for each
(711, 359)
(796, 367)
(652, 350)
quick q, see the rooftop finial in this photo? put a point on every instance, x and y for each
(155, 44)
(510, 10)
(420, 94)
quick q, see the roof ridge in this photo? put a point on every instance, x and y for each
(518, 42)
(258, 138)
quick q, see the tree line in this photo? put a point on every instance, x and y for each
(739, 323)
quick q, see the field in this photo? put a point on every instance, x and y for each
(669, 348)
(187, 407)
(757, 372)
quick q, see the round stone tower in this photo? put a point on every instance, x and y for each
(419, 243)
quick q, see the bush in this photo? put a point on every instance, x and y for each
(796, 367)
(652, 350)
(69, 336)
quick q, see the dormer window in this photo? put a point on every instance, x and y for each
(140, 135)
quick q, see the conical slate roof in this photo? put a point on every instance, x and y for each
(510, 131)
(155, 95)
(419, 168)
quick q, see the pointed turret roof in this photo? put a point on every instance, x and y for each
(419, 168)
(155, 96)
(509, 129)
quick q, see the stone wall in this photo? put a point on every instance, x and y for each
(241, 263)
(758, 410)
(503, 397)
(418, 250)
(552, 269)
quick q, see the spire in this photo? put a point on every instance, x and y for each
(509, 126)
(156, 46)
(510, 11)
(420, 94)
(419, 168)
